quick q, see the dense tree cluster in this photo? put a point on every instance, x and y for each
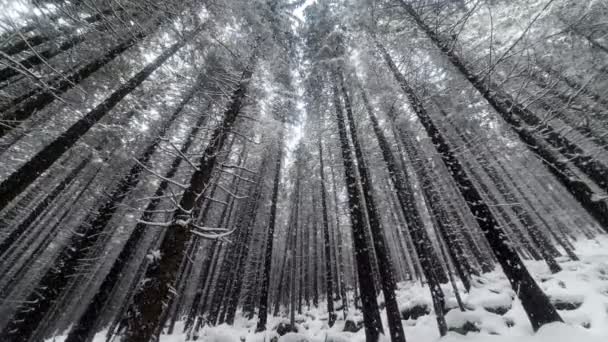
(194, 161)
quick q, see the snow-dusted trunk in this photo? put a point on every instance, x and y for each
(572, 83)
(31, 170)
(85, 327)
(246, 222)
(267, 256)
(307, 258)
(16, 233)
(231, 256)
(40, 57)
(420, 238)
(585, 122)
(528, 203)
(440, 203)
(17, 261)
(405, 195)
(363, 251)
(315, 244)
(34, 39)
(522, 121)
(161, 274)
(281, 283)
(25, 105)
(326, 240)
(539, 309)
(339, 253)
(291, 255)
(86, 236)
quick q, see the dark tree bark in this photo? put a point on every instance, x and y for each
(86, 236)
(228, 263)
(315, 240)
(449, 220)
(526, 220)
(22, 107)
(36, 39)
(407, 201)
(539, 309)
(248, 223)
(521, 120)
(340, 256)
(363, 251)
(31, 170)
(150, 299)
(14, 271)
(267, 256)
(38, 58)
(292, 253)
(41, 207)
(326, 241)
(290, 227)
(191, 319)
(250, 296)
(385, 264)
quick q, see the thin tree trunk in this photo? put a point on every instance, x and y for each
(539, 309)
(42, 205)
(363, 251)
(326, 241)
(22, 107)
(385, 264)
(340, 255)
(247, 223)
(31, 170)
(85, 328)
(263, 306)
(406, 198)
(513, 113)
(148, 303)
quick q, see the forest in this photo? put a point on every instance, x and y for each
(303, 170)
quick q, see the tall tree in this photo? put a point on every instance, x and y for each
(267, 256)
(521, 119)
(153, 294)
(326, 241)
(385, 265)
(362, 249)
(33, 168)
(539, 309)
(85, 328)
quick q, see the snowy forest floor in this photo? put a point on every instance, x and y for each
(579, 292)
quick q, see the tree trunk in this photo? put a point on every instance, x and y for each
(248, 222)
(31, 170)
(38, 58)
(340, 255)
(37, 39)
(326, 241)
(149, 302)
(539, 309)
(53, 283)
(263, 306)
(41, 206)
(22, 107)
(520, 119)
(407, 202)
(363, 251)
(290, 227)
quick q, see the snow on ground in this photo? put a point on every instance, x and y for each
(493, 314)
